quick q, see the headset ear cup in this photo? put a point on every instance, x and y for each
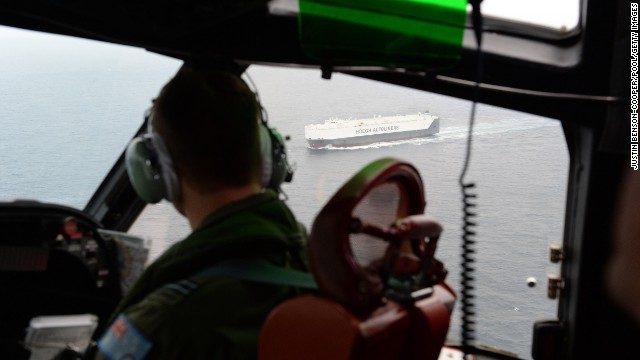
(144, 176)
(165, 167)
(275, 167)
(280, 169)
(266, 156)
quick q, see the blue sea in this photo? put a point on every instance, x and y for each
(68, 108)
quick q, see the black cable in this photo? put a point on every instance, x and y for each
(467, 278)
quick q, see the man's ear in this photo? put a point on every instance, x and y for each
(178, 202)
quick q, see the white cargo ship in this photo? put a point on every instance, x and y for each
(349, 132)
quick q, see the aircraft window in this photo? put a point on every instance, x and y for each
(69, 107)
(160, 225)
(563, 19)
(519, 163)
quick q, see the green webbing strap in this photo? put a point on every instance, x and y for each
(261, 272)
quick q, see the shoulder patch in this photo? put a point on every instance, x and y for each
(124, 341)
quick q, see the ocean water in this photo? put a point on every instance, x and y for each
(68, 108)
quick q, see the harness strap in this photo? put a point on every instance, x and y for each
(261, 272)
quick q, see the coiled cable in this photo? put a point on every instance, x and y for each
(467, 267)
(468, 207)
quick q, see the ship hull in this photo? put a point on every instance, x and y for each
(368, 139)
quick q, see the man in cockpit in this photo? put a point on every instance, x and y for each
(205, 125)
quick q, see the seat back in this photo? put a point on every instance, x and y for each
(382, 294)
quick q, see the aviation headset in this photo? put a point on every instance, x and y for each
(153, 175)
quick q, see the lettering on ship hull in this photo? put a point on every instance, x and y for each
(377, 129)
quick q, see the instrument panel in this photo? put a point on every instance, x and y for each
(34, 235)
(54, 260)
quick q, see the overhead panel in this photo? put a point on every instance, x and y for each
(390, 33)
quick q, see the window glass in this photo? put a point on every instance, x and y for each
(559, 15)
(519, 164)
(160, 225)
(69, 107)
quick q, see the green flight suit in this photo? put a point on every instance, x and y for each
(215, 317)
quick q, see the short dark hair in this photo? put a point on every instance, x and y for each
(209, 121)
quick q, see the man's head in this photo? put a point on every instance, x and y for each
(209, 122)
